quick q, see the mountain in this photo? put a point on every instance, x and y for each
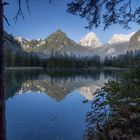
(90, 40)
(120, 38)
(11, 44)
(135, 41)
(22, 41)
(118, 44)
(56, 43)
(12, 47)
(15, 55)
(26, 44)
(112, 49)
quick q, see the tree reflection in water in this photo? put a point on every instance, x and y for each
(97, 117)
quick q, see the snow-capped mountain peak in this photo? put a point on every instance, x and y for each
(23, 42)
(21, 39)
(120, 38)
(90, 40)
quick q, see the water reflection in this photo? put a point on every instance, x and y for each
(50, 105)
(55, 85)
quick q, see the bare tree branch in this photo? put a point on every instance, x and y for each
(27, 4)
(6, 20)
(5, 3)
(19, 12)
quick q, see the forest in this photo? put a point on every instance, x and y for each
(15, 59)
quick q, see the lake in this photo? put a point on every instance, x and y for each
(44, 105)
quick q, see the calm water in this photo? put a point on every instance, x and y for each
(50, 106)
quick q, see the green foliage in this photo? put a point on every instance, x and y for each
(116, 107)
(125, 89)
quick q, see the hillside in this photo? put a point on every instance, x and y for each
(15, 55)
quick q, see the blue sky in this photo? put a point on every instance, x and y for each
(46, 18)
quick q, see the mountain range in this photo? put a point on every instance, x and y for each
(59, 89)
(59, 43)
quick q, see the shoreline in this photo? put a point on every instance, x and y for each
(23, 68)
(113, 68)
(59, 69)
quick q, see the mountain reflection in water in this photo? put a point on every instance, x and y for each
(49, 105)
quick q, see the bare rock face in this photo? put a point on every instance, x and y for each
(135, 41)
(23, 42)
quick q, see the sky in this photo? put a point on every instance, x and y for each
(46, 18)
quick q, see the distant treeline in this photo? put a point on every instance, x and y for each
(72, 62)
(21, 59)
(16, 59)
(130, 58)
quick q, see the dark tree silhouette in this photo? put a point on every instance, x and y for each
(106, 12)
(2, 96)
(2, 93)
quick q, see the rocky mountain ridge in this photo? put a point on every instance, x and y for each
(58, 43)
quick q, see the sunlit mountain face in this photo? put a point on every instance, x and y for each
(42, 101)
(90, 40)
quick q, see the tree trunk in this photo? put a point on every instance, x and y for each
(2, 94)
